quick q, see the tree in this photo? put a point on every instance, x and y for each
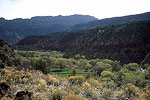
(78, 56)
(115, 64)
(132, 66)
(40, 64)
(108, 76)
(83, 63)
(100, 66)
(59, 62)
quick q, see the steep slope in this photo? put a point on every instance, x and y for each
(14, 30)
(7, 56)
(126, 43)
(112, 21)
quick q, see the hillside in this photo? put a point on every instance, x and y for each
(16, 29)
(7, 56)
(126, 43)
(85, 79)
(109, 80)
(112, 21)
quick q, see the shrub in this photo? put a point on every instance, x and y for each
(57, 96)
(131, 91)
(107, 94)
(95, 83)
(72, 97)
(86, 85)
(76, 79)
(52, 81)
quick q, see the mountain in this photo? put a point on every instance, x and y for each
(111, 21)
(128, 42)
(16, 29)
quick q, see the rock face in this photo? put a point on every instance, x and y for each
(112, 21)
(14, 30)
(7, 56)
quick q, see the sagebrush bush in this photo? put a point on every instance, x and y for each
(73, 97)
(95, 83)
(57, 94)
(76, 79)
(52, 81)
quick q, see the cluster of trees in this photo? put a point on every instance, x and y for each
(112, 72)
(106, 70)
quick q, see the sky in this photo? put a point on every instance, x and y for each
(10, 9)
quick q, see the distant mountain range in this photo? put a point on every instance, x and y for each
(111, 21)
(128, 42)
(14, 30)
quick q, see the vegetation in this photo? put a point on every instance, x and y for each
(105, 70)
(127, 43)
(81, 71)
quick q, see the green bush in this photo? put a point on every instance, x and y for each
(100, 66)
(132, 66)
(57, 96)
(108, 76)
(115, 64)
(40, 64)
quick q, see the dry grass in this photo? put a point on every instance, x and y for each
(45, 87)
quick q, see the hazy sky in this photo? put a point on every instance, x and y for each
(11, 9)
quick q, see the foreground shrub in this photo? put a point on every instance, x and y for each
(76, 79)
(72, 97)
(130, 92)
(95, 83)
(86, 85)
(52, 81)
(58, 94)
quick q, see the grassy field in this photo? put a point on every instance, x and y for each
(53, 70)
(68, 72)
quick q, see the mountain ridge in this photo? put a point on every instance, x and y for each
(112, 21)
(16, 29)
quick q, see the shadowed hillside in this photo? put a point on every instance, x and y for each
(16, 29)
(7, 56)
(126, 43)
